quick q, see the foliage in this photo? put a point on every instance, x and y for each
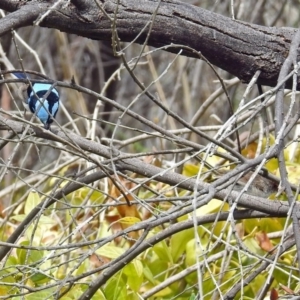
(140, 190)
(58, 250)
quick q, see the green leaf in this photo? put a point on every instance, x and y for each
(99, 295)
(163, 251)
(26, 256)
(115, 288)
(7, 290)
(32, 201)
(252, 244)
(134, 273)
(110, 251)
(97, 198)
(192, 252)
(11, 261)
(18, 218)
(178, 242)
(148, 274)
(163, 293)
(74, 293)
(81, 269)
(44, 294)
(5, 275)
(40, 278)
(158, 268)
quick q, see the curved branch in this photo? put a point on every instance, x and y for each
(122, 162)
(23, 16)
(237, 47)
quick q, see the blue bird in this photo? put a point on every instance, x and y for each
(44, 108)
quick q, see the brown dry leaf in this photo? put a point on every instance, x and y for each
(97, 261)
(273, 294)
(115, 226)
(49, 238)
(240, 230)
(287, 290)
(153, 160)
(113, 221)
(263, 241)
(148, 159)
(250, 150)
(124, 210)
(128, 211)
(2, 207)
(127, 222)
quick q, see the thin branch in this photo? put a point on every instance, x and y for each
(175, 22)
(279, 128)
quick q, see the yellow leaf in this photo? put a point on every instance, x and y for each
(293, 173)
(213, 206)
(129, 220)
(32, 201)
(190, 170)
(126, 221)
(110, 251)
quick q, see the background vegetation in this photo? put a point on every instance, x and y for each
(145, 196)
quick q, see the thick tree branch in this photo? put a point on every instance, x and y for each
(237, 47)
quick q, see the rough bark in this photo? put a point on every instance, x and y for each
(237, 47)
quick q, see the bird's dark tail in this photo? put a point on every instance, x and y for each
(20, 75)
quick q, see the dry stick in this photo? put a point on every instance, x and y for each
(265, 118)
(116, 43)
(179, 276)
(279, 127)
(92, 147)
(240, 215)
(236, 287)
(292, 211)
(147, 122)
(132, 253)
(175, 116)
(223, 216)
(166, 133)
(139, 167)
(142, 225)
(41, 104)
(5, 140)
